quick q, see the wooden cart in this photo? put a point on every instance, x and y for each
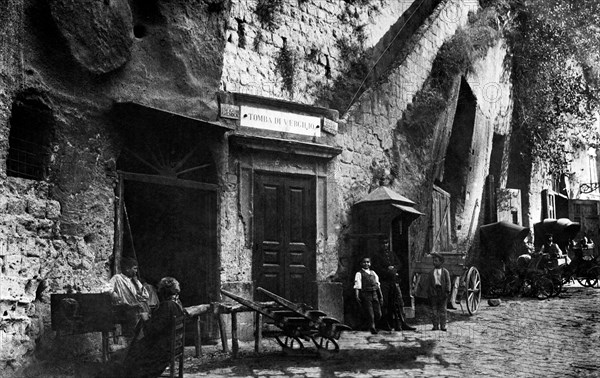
(295, 323)
(466, 280)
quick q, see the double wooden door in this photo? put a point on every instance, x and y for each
(284, 259)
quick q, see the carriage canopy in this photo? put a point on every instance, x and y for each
(562, 230)
(497, 239)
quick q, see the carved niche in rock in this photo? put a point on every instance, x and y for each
(99, 32)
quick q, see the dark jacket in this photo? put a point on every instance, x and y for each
(445, 280)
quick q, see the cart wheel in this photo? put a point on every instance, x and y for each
(327, 343)
(544, 287)
(473, 284)
(289, 342)
(592, 276)
(557, 284)
(582, 281)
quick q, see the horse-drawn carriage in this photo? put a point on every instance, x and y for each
(507, 265)
(518, 271)
(584, 264)
(513, 269)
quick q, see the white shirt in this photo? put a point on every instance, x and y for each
(358, 278)
(437, 276)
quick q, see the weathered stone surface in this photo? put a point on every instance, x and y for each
(52, 209)
(99, 33)
(36, 207)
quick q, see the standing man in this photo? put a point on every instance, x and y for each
(438, 291)
(368, 293)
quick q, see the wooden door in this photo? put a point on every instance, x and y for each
(284, 230)
(440, 221)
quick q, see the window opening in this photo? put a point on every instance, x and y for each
(28, 140)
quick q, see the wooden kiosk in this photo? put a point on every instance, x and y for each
(384, 215)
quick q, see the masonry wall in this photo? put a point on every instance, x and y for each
(311, 30)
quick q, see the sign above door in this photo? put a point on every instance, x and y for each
(267, 119)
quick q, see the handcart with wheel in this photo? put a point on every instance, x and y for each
(466, 279)
(296, 323)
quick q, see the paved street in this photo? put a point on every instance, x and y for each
(558, 337)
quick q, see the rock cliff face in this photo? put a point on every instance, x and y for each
(99, 33)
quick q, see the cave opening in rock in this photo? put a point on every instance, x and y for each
(457, 165)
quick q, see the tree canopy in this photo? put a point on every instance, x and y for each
(555, 47)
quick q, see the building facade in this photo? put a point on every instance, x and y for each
(200, 138)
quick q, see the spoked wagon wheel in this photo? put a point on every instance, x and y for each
(592, 276)
(543, 287)
(473, 286)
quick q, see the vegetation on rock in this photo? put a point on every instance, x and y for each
(286, 65)
(267, 12)
(555, 59)
(455, 57)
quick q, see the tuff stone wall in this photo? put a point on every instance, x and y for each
(29, 242)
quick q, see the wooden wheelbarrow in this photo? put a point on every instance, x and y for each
(296, 323)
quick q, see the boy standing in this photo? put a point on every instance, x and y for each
(368, 293)
(438, 290)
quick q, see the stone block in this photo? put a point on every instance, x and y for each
(12, 265)
(52, 209)
(494, 302)
(16, 205)
(36, 207)
(346, 156)
(45, 228)
(13, 289)
(15, 246)
(30, 267)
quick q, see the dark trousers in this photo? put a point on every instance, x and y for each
(438, 303)
(371, 307)
(393, 306)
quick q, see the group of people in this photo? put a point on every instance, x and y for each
(381, 300)
(550, 252)
(146, 315)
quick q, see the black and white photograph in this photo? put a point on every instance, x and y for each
(299, 188)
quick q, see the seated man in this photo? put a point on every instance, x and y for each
(552, 252)
(550, 247)
(129, 296)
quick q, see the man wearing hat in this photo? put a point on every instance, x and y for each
(438, 290)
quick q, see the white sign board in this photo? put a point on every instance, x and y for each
(279, 121)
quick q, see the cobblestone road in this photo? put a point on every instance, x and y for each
(558, 337)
